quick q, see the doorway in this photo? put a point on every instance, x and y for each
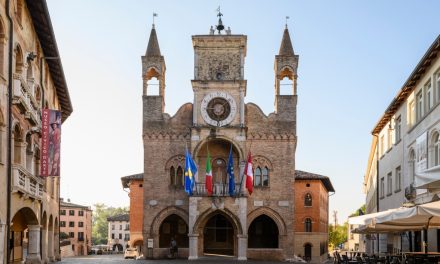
(218, 236)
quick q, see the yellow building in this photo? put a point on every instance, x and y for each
(31, 78)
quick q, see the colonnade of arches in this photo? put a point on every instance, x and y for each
(28, 234)
(218, 232)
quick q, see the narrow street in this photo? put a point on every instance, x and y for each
(97, 259)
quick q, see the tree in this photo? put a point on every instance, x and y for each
(361, 209)
(337, 235)
(100, 224)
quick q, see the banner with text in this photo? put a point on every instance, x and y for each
(50, 143)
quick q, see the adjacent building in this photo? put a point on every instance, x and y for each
(311, 215)
(118, 232)
(76, 224)
(134, 183)
(31, 78)
(218, 124)
(404, 160)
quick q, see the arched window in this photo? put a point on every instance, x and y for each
(286, 86)
(436, 149)
(29, 152)
(412, 165)
(172, 176)
(38, 94)
(179, 176)
(308, 200)
(17, 145)
(153, 86)
(265, 176)
(257, 177)
(308, 225)
(18, 60)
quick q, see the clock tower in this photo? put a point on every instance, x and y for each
(219, 85)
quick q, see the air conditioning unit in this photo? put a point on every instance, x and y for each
(410, 192)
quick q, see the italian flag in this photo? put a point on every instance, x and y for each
(248, 171)
(208, 181)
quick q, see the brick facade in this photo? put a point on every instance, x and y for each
(219, 122)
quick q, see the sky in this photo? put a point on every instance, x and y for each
(354, 56)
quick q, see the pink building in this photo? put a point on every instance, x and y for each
(76, 228)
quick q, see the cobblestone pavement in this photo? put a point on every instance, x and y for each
(98, 259)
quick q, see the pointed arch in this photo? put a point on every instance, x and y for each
(272, 214)
(206, 215)
(19, 59)
(157, 221)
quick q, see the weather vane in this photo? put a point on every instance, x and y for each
(220, 26)
(287, 17)
(154, 15)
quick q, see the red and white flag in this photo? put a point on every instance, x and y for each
(248, 171)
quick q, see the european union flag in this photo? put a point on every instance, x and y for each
(230, 171)
(190, 173)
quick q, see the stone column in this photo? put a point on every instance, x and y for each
(57, 246)
(2, 240)
(242, 238)
(33, 256)
(242, 247)
(193, 246)
(50, 245)
(193, 238)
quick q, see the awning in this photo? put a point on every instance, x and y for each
(428, 179)
(400, 219)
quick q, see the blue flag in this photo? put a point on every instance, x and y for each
(190, 173)
(230, 171)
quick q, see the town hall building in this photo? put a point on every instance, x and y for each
(260, 225)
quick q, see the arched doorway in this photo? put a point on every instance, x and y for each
(173, 227)
(138, 245)
(25, 236)
(263, 233)
(307, 252)
(116, 248)
(218, 236)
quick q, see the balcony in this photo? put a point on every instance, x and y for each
(25, 183)
(23, 98)
(218, 190)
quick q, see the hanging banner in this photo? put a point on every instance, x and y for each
(50, 143)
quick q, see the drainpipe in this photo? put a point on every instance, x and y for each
(377, 185)
(9, 133)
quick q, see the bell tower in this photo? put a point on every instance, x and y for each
(153, 66)
(219, 85)
(286, 65)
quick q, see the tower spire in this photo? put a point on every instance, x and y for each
(286, 48)
(153, 49)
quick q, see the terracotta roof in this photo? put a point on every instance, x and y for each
(153, 49)
(304, 175)
(43, 27)
(126, 179)
(123, 217)
(69, 204)
(286, 48)
(409, 85)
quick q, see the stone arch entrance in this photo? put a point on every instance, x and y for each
(263, 233)
(218, 231)
(173, 227)
(25, 236)
(218, 236)
(117, 248)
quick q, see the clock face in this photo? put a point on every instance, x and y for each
(218, 108)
